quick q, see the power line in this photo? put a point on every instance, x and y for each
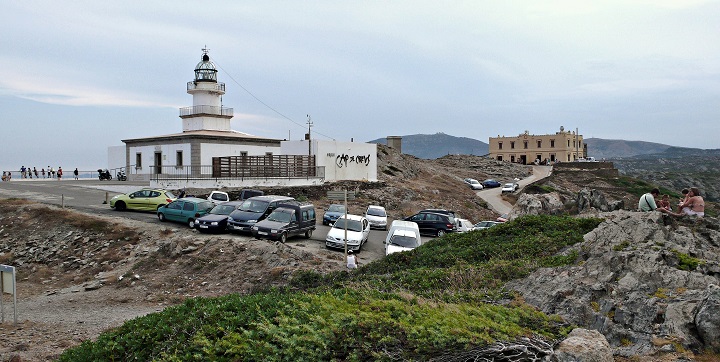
(263, 103)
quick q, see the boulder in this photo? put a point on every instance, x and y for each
(583, 345)
(594, 199)
(537, 204)
(707, 319)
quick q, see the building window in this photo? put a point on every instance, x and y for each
(512, 158)
(268, 153)
(499, 158)
(512, 145)
(178, 159)
(525, 144)
(568, 146)
(552, 144)
(499, 145)
(552, 158)
(138, 160)
(539, 143)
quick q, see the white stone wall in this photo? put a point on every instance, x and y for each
(342, 160)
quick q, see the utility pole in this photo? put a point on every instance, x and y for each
(310, 124)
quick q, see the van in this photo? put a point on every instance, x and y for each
(255, 209)
(402, 236)
(247, 193)
(285, 221)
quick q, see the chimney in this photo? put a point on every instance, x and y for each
(394, 142)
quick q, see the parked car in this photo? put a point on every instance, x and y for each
(377, 216)
(485, 225)
(434, 223)
(216, 219)
(509, 187)
(333, 212)
(286, 221)
(255, 209)
(247, 193)
(218, 197)
(358, 231)
(184, 210)
(464, 225)
(503, 218)
(490, 183)
(474, 184)
(147, 199)
(402, 236)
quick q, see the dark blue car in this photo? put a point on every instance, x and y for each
(490, 183)
(216, 219)
(333, 213)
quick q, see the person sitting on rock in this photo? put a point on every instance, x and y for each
(647, 203)
(685, 198)
(693, 204)
(664, 203)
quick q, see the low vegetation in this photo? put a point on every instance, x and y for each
(413, 305)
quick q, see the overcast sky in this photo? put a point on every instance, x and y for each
(79, 76)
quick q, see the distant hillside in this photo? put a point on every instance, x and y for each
(431, 146)
(612, 149)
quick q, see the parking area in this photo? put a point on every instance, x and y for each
(91, 196)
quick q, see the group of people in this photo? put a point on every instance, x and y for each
(692, 203)
(26, 172)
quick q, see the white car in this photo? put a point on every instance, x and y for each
(358, 231)
(474, 184)
(218, 197)
(464, 225)
(485, 225)
(403, 236)
(377, 216)
(509, 187)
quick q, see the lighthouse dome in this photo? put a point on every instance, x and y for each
(205, 71)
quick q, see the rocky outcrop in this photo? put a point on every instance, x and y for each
(588, 199)
(536, 204)
(645, 286)
(583, 345)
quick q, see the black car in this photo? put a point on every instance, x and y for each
(255, 209)
(216, 219)
(286, 221)
(434, 223)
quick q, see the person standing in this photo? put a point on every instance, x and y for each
(42, 171)
(22, 172)
(76, 173)
(35, 171)
(59, 173)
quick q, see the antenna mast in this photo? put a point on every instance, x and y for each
(310, 124)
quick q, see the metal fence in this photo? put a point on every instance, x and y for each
(207, 172)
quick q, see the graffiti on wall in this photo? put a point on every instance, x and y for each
(344, 160)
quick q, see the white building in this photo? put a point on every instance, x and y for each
(187, 159)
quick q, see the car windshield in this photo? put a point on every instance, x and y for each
(222, 209)
(373, 211)
(484, 224)
(280, 216)
(352, 225)
(509, 185)
(253, 206)
(336, 208)
(474, 182)
(404, 241)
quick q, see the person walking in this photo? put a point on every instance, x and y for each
(59, 173)
(76, 173)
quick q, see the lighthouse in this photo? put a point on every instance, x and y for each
(207, 112)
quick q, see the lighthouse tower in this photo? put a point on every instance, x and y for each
(207, 112)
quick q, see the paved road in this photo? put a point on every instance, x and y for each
(493, 196)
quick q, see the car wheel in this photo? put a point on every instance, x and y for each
(162, 218)
(308, 234)
(191, 223)
(440, 233)
(283, 238)
(120, 206)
